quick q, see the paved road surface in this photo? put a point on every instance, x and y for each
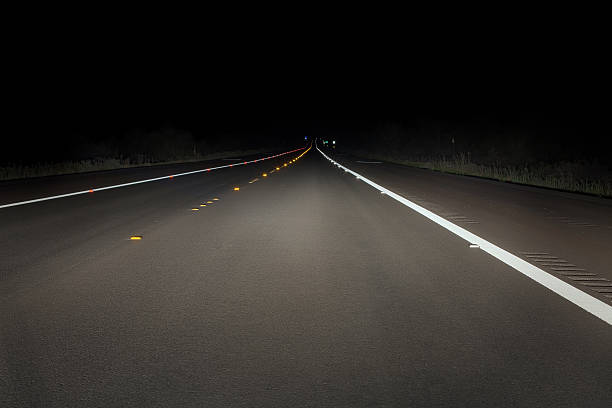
(304, 288)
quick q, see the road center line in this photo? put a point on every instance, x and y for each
(567, 291)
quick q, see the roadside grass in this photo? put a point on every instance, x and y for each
(567, 176)
(12, 172)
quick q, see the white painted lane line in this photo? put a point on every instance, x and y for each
(560, 287)
(368, 162)
(92, 190)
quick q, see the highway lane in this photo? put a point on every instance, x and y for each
(303, 288)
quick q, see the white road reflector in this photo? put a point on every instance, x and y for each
(474, 246)
(582, 299)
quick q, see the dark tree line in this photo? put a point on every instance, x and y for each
(484, 142)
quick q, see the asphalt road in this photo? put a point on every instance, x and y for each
(303, 288)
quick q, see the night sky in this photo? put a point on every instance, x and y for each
(54, 107)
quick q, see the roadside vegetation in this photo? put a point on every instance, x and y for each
(513, 155)
(20, 171)
(567, 176)
(123, 150)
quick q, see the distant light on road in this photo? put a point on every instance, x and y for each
(265, 175)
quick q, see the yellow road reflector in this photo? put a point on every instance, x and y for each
(278, 168)
(215, 199)
(209, 202)
(285, 165)
(265, 175)
(202, 205)
(195, 209)
(236, 188)
(136, 237)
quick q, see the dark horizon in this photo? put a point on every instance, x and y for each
(42, 138)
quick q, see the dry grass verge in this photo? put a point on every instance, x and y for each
(568, 176)
(82, 166)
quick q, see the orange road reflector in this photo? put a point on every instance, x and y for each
(136, 237)
(171, 176)
(236, 188)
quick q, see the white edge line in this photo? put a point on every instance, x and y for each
(583, 300)
(93, 190)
